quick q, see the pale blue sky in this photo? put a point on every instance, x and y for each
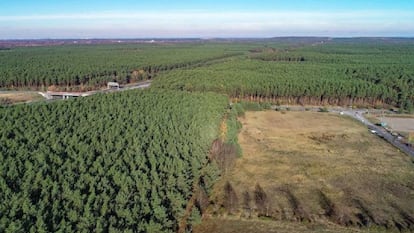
(22, 19)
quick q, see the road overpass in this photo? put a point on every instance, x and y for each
(50, 95)
(54, 95)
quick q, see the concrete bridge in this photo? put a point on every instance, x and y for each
(112, 87)
(50, 95)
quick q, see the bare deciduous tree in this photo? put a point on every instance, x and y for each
(261, 200)
(230, 198)
(247, 203)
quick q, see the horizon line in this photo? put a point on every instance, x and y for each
(212, 38)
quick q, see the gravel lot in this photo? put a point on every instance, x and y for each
(400, 124)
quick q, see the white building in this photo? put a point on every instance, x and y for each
(113, 85)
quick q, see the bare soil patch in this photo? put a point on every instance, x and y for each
(400, 124)
(317, 168)
(18, 97)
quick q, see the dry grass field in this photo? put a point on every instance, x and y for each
(315, 168)
(19, 97)
(237, 225)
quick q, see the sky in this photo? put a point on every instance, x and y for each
(40, 19)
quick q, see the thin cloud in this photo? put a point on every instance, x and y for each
(209, 24)
(211, 15)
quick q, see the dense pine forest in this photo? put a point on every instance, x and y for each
(336, 72)
(371, 72)
(123, 162)
(86, 67)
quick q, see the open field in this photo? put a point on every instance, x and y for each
(18, 97)
(317, 167)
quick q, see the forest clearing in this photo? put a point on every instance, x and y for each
(315, 168)
(125, 160)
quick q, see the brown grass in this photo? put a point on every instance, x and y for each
(318, 168)
(18, 97)
(237, 225)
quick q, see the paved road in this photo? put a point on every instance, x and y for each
(380, 131)
(48, 95)
(141, 85)
(358, 115)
